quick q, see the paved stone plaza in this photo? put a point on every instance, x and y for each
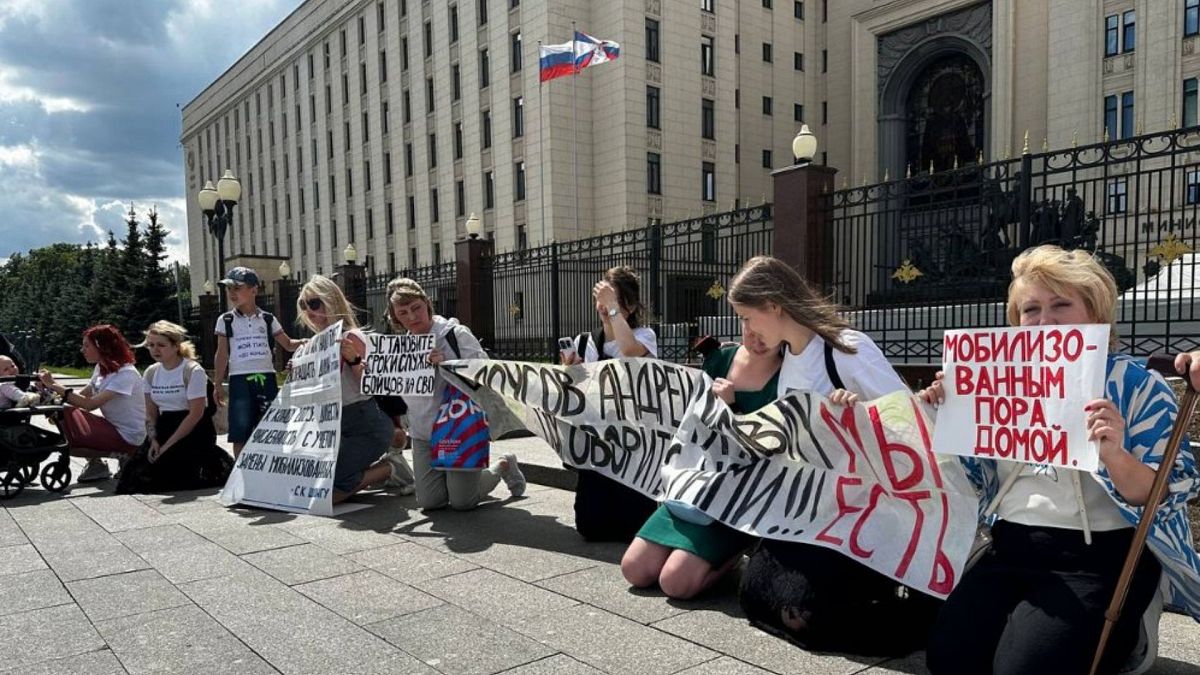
(100, 583)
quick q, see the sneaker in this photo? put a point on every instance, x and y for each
(95, 470)
(1141, 659)
(513, 478)
(402, 477)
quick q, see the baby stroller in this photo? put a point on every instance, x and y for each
(24, 447)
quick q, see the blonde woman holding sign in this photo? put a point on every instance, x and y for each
(366, 433)
(1035, 602)
(814, 595)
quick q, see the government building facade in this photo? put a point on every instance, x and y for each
(385, 124)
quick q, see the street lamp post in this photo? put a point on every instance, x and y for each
(804, 145)
(217, 204)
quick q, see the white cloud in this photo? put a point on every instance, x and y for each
(18, 157)
(10, 92)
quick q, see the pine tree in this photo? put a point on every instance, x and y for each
(158, 293)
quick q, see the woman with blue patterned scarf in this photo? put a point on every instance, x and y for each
(1035, 602)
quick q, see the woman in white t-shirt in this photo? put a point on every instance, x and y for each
(115, 389)
(182, 453)
(815, 595)
(605, 510)
(366, 432)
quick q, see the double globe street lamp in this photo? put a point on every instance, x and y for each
(217, 204)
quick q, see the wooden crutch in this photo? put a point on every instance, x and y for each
(1165, 365)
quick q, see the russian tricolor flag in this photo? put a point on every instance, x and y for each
(556, 61)
(590, 51)
(569, 58)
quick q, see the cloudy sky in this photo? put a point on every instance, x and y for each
(90, 99)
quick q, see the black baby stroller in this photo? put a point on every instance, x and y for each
(25, 446)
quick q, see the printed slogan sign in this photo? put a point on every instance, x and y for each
(288, 462)
(1018, 393)
(398, 365)
(862, 480)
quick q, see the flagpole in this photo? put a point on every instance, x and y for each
(541, 151)
(575, 123)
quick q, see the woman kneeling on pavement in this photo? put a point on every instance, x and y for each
(606, 510)
(366, 432)
(681, 556)
(182, 451)
(815, 595)
(115, 389)
(436, 488)
(1035, 602)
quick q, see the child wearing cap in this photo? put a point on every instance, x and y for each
(244, 335)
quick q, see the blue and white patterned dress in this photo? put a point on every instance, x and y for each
(1149, 408)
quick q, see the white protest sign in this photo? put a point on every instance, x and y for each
(398, 365)
(1018, 393)
(862, 480)
(288, 463)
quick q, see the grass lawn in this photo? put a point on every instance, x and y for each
(70, 371)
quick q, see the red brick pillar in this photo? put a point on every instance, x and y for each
(475, 299)
(801, 215)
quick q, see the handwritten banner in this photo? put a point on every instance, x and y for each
(862, 480)
(288, 462)
(398, 365)
(1018, 393)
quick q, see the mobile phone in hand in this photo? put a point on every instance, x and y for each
(566, 345)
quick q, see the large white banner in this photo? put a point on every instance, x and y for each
(1018, 393)
(398, 365)
(289, 461)
(862, 480)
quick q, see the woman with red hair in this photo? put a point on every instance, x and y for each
(116, 390)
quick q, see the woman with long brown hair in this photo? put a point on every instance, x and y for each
(814, 595)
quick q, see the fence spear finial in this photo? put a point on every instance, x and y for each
(931, 167)
(1106, 133)
(887, 175)
(1045, 144)
(1025, 147)
(956, 162)
(1074, 138)
(1174, 122)
(845, 182)
(979, 159)
(908, 170)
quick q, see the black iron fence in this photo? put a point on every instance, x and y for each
(916, 256)
(437, 280)
(545, 293)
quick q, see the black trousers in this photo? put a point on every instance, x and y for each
(1035, 604)
(606, 510)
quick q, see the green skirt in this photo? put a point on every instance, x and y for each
(716, 542)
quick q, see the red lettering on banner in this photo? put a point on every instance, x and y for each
(926, 442)
(914, 499)
(844, 509)
(845, 424)
(1037, 418)
(876, 491)
(887, 448)
(941, 563)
